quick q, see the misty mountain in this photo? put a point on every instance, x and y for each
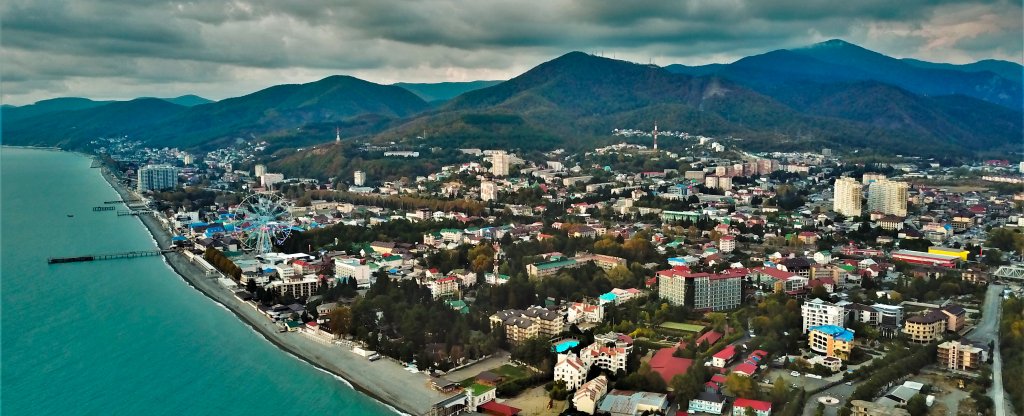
(838, 61)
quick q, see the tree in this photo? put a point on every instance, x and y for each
(917, 406)
(341, 320)
(780, 392)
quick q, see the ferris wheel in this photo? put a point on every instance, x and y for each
(264, 221)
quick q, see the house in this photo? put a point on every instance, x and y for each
(571, 370)
(724, 357)
(745, 369)
(709, 338)
(589, 394)
(707, 402)
(761, 408)
(579, 312)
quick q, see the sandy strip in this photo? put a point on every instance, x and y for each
(384, 380)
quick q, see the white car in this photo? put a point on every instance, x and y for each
(794, 373)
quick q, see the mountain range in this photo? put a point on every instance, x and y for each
(832, 94)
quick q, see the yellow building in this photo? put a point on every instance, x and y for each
(831, 340)
(929, 327)
(946, 251)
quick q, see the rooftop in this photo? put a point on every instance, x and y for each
(836, 332)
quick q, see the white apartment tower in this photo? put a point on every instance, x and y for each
(359, 178)
(488, 191)
(818, 312)
(888, 197)
(260, 170)
(157, 177)
(846, 197)
(500, 161)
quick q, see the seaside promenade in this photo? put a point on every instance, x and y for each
(384, 380)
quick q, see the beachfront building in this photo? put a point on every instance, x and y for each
(831, 340)
(521, 325)
(156, 178)
(961, 356)
(571, 370)
(299, 287)
(357, 269)
(817, 312)
(587, 396)
(846, 198)
(925, 328)
(701, 291)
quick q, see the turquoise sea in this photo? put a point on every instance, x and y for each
(125, 337)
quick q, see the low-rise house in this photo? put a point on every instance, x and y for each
(579, 312)
(761, 408)
(707, 402)
(724, 357)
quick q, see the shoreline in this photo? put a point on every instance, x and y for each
(358, 373)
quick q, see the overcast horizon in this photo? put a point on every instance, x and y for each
(124, 49)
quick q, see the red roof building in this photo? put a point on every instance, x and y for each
(497, 409)
(761, 408)
(745, 369)
(710, 337)
(667, 365)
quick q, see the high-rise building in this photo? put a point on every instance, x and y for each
(359, 178)
(260, 170)
(846, 197)
(871, 177)
(817, 312)
(157, 177)
(500, 163)
(701, 291)
(186, 159)
(488, 191)
(888, 197)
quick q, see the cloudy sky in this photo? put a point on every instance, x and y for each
(120, 49)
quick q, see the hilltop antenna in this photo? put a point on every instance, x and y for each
(655, 135)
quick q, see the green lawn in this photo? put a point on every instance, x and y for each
(512, 372)
(477, 388)
(679, 326)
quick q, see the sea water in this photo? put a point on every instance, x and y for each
(124, 337)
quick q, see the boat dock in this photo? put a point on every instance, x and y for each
(135, 212)
(102, 208)
(108, 256)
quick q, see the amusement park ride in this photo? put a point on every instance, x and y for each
(263, 221)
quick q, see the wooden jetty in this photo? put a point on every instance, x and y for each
(102, 208)
(108, 256)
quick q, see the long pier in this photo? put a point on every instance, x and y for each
(108, 256)
(135, 212)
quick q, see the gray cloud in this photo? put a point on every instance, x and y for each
(125, 48)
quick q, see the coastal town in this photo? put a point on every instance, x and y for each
(697, 278)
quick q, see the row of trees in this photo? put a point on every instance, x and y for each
(889, 369)
(1011, 338)
(217, 259)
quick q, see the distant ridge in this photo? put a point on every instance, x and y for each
(443, 91)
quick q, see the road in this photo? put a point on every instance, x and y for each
(988, 330)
